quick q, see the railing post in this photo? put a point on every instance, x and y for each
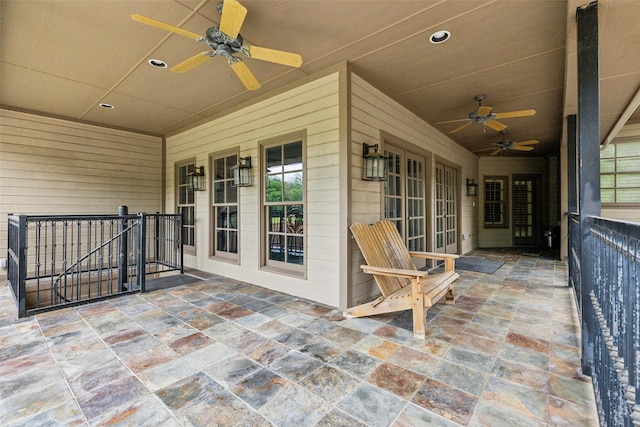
(20, 264)
(156, 238)
(180, 243)
(142, 262)
(123, 211)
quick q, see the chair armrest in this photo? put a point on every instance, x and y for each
(433, 255)
(449, 259)
(386, 271)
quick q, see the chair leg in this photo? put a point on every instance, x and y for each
(417, 306)
(450, 298)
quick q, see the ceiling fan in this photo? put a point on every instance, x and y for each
(487, 117)
(506, 144)
(225, 40)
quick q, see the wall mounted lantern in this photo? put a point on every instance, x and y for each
(196, 179)
(472, 187)
(241, 172)
(374, 166)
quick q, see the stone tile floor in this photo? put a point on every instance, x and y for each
(222, 352)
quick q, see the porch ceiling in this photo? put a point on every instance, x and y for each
(65, 57)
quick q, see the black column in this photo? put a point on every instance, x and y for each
(589, 161)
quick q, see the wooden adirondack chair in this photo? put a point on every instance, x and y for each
(402, 286)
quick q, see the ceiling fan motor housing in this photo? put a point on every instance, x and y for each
(222, 44)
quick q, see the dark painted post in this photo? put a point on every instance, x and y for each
(573, 252)
(123, 211)
(589, 166)
(156, 239)
(142, 261)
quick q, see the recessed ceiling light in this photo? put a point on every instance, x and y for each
(157, 63)
(105, 105)
(440, 37)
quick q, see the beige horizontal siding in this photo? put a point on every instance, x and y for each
(312, 108)
(54, 166)
(372, 112)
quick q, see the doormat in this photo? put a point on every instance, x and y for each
(170, 281)
(479, 265)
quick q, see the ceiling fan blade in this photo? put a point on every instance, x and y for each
(495, 125)
(454, 121)
(192, 62)
(166, 27)
(495, 152)
(529, 142)
(484, 111)
(512, 114)
(245, 75)
(272, 55)
(233, 14)
(461, 127)
(520, 148)
(484, 149)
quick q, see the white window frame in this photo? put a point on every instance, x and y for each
(228, 190)
(267, 232)
(180, 205)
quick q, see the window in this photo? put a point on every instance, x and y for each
(620, 173)
(186, 205)
(224, 209)
(283, 205)
(495, 202)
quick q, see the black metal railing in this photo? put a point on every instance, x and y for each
(56, 261)
(613, 326)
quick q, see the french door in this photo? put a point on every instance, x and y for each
(446, 209)
(404, 196)
(524, 210)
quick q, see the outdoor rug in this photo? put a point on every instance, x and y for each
(479, 265)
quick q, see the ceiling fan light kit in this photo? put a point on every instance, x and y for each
(225, 40)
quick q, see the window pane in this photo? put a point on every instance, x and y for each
(627, 149)
(221, 240)
(627, 195)
(293, 156)
(276, 219)
(233, 242)
(218, 196)
(628, 164)
(182, 175)
(607, 165)
(219, 169)
(274, 159)
(607, 196)
(295, 219)
(230, 161)
(293, 186)
(607, 181)
(628, 180)
(608, 153)
(222, 217)
(182, 195)
(232, 193)
(233, 217)
(273, 191)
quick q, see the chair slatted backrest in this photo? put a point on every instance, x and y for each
(382, 246)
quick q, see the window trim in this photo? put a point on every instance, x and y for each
(504, 224)
(188, 249)
(213, 252)
(267, 264)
